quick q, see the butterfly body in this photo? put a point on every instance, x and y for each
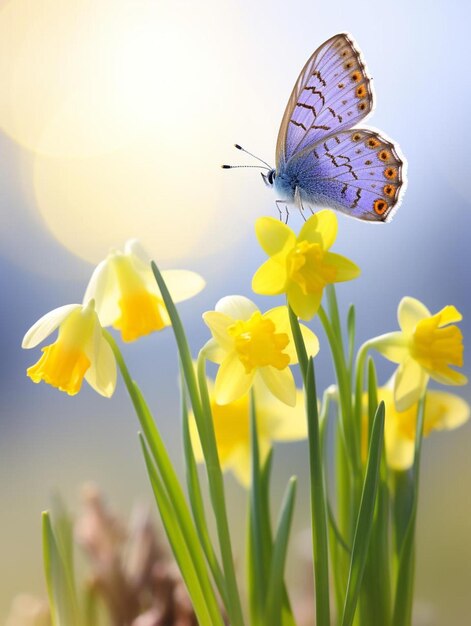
(321, 159)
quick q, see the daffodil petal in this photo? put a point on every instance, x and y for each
(280, 317)
(399, 449)
(280, 383)
(320, 228)
(241, 466)
(195, 439)
(304, 305)
(46, 325)
(448, 376)
(133, 247)
(445, 411)
(232, 381)
(280, 421)
(218, 323)
(103, 288)
(212, 351)
(236, 307)
(273, 235)
(409, 313)
(270, 278)
(409, 385)
(449, 315)
(102, 373)
(346, 269)
(183, 284)
(393, 346)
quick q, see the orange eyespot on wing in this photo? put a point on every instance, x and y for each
(362, 106)
(356, 76)
(372, 142)
(380, 206)
(384, 155)
(356, 137)
(389, 190)
(361, 91)
(390, 173)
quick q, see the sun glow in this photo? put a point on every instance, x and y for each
(113, 99)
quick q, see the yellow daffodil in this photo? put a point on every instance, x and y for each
(248, 344)
(443, 411)
(301, 266)
(275, 422)
(80, 351)
(425, 347)
(126, 293)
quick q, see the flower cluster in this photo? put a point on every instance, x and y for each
(122, 293)
(255, 348)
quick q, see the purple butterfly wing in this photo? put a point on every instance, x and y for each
(333, 92)
(358, 172)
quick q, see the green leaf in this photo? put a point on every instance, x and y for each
(365, 518)
(203, 602)
(351, 335)
(259, 550)
(318, 503)
(197, 505)
(62, 597)
(275, 593)
(406, 568)
(206, 431)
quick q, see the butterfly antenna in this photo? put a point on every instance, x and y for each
(236, 145)
(233, 167)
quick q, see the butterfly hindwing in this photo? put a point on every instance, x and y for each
(358, 172)
(333, 92)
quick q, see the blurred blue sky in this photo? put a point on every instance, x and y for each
(418, 56)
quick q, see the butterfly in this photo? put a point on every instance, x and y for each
(321, 159)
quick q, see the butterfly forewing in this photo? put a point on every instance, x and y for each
(358, 172)
(333, 92)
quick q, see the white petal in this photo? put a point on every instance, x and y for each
(183, 284)
(218, 323)
(104, 289)
(46, 325)
(393, 346)
(101, 375)
(133, 247)
(409, 313)
(237, 307)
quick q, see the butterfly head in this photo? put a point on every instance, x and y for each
(269, 178)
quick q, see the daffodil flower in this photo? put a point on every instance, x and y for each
(275, 422)
(425, 347)
(443, 411)
(301, 266)
(248, 344)
(80, 351)
(126, 293)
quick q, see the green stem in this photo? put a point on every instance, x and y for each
(317, 484)
(169, 480)
(205, 427)
(350, 433)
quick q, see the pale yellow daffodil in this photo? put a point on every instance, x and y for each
(275, 422)
(127, 296)
(80, 351)
(248, 345)
(301, 266)
(425, 347)
(443, 411)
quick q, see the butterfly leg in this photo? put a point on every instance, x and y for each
(280, 212)
(299, 202)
